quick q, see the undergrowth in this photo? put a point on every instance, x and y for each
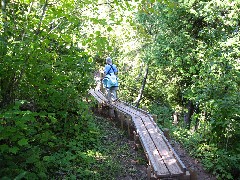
(224, 163)
(43, 145)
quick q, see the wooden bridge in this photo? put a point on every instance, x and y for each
(164, 163)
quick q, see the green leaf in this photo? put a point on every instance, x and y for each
(53, 119)
(4, 148)
(20, 176)
(13, 150)
(109, 29)
(192, 70)
(23, 142)
(98, 33)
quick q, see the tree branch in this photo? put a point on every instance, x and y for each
(42, 17)
(137, 101)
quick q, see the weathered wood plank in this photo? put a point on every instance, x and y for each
(123, 107)
(163, 149)
(100, 95)
(96, 96)
(150, 148)
(182, 166)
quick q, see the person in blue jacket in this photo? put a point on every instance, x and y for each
(110, 80)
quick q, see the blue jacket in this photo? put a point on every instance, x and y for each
(110, 69)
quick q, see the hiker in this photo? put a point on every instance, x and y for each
(110, 80)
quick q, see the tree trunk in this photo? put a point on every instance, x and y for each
(197, 119)
(4, 82)
(175, 118)
(4, 16)
(3, 45)
(188, 115)
(137, 101)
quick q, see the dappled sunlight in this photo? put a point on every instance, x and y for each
(152, 131)
(95, 154)
(171, 162)
(166, 157)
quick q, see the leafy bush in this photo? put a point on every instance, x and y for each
(224, 164)
(164, 114)
(40, 145)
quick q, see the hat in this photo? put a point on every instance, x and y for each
(108, 60)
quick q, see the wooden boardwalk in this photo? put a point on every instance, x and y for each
(163, 161)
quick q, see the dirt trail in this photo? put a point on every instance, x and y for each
(191, 163)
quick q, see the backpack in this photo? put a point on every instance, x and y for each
(110, 80)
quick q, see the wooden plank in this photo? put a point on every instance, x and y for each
(182, 166)
(163, 148)
(93, 93)
(150, 148)
(123, 107)
(100, 95)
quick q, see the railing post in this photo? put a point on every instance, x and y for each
(128, 125)
(193, 174)
(111, 112)
(154, 116)
(144, 108)
(100, 108)
(136, 140)
(122, 119)
(186, 176)
(149, 174)
(166, 133)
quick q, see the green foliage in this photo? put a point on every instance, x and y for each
(194, 51)
(51, 153)
(43, 65)
(164, 114)
(42, 56)
(41, 145)
(224, 164)
(46, 128)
